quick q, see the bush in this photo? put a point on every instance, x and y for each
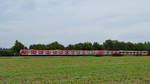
(99, 55)
(117, 54)
(140, 55)
(6, 53)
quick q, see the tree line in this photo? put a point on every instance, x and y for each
(107, 45)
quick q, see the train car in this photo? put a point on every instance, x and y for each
(123, 52)
(79, 52)
(59, 52)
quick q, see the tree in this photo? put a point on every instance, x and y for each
(78, 46)
(38, 46)
(55, 45)
(97, 46)
(131, 46)
(87, 46)
(70, 47)
(108, 45)
(18, 46)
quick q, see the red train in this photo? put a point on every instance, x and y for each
(80, 52)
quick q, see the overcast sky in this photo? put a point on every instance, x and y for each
(73, 21)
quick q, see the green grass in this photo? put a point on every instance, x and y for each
(75, 70)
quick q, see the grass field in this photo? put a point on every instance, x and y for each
(75, 70)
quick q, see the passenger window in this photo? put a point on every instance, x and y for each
(81, 52)
(29, 51)
(70, 52)
(58, 52)
(44, 52)
(105, 52)
(86, 52)
(64, 52)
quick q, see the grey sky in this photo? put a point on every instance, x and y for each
(73, 21)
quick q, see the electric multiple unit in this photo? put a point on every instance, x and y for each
(80, 52)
